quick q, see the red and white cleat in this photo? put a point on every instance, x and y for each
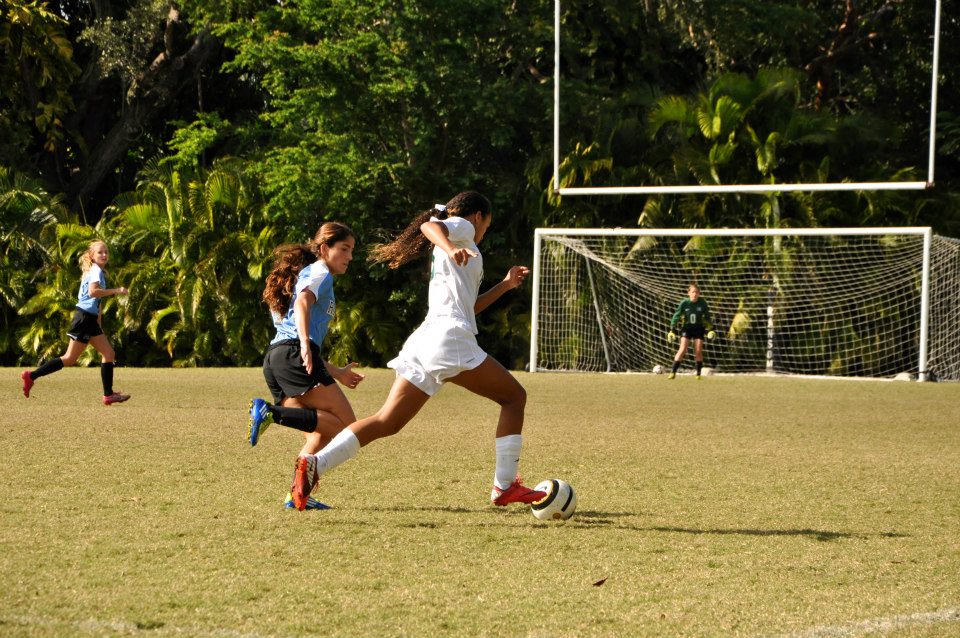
(304, 480)
(116, 397)
(516, 493)
(27, 382)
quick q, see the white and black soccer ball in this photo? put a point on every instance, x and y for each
(658, 369)
(559, 504)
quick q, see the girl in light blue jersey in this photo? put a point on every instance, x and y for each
(299, 293)
(443, 349)
(86, 327)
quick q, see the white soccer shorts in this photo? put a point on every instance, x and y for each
(436, 352)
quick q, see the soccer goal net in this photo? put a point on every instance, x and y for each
(836, 302)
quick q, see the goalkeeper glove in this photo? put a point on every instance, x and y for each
(671, 337)
(711, 335)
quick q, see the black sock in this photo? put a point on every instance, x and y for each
(106, 376)
(676, 366)
(302, 419)
(48, 367)
(699, 367)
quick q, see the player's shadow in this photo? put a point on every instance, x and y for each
(607, 519)
(449, 509)
(816, 534)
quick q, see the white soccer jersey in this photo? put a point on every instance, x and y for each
(454, 289)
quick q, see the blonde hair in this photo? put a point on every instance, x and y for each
(86, 259)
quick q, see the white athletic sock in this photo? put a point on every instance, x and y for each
(341, 449)
(508, 458)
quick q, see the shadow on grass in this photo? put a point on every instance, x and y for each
(594, 519)
(449, 509)
(599, 519)
(816, 534)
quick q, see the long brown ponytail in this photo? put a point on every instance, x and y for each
(411, 243)
(290, 259)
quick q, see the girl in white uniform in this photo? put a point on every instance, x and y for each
(444, 348)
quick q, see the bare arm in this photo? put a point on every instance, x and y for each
(438, 235)
(514, 278)
(301, 317)
(345, 375)
(96, 291)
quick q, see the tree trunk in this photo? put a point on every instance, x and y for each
(147, 99)
(855, 31)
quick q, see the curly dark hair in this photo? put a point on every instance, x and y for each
(411, 243)
(290, 259)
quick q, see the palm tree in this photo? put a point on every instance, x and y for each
(741, 130)
(198, 247)
(56, 293)
(28, 247)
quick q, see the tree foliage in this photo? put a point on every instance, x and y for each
(36, 69)
(195, 136)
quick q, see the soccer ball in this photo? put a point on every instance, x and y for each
(658, 369)
(558, 505)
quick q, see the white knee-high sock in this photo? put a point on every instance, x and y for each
(508, 458)
(341, 449)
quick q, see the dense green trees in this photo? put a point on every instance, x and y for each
(849, 83)
(195, 136)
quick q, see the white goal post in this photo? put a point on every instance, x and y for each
(744, 188)
(846, 302)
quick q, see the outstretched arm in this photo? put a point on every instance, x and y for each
(514, 278)
(346, 375)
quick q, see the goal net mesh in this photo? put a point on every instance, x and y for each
(840, 305)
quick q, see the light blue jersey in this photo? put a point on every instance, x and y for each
(317, 279)
(84, 301)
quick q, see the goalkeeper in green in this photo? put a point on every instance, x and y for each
(693, 316)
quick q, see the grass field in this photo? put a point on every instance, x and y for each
(726, 507)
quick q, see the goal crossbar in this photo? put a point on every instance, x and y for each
(745, 188)
(731, 232)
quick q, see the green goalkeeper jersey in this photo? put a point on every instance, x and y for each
(692, 313)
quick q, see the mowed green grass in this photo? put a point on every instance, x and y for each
(733, 506)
